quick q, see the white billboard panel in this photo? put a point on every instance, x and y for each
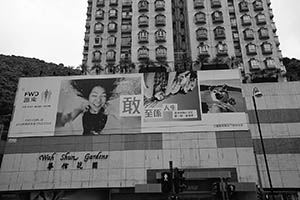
(133, 103)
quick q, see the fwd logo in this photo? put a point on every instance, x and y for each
(31, 94)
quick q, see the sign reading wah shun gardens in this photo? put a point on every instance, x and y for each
(131, 103)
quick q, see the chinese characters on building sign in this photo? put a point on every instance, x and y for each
(65, 159)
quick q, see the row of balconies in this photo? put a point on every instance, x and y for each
(266, 48)
(256, 64)
(110, 56)
(113, 14)
(217, 17)
(101, 3)
(143, 5)
(160, 20)
(263, 33)
(221, 49)
(243, 5)
(160, 36)
(200, 17)
(160, 53)
(257, 6)
(112, 27)
(202, 33)
(260, 19)
(199, 4)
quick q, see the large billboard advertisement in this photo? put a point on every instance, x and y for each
(132, 103)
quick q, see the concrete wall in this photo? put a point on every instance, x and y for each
(279, 113)
(129, 158)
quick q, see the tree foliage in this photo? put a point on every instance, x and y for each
(14, 67)
(292, 69)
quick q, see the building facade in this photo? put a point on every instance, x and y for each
(180, 35)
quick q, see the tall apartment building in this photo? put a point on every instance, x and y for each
(182, 34)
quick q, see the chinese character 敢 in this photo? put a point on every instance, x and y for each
(131, 105)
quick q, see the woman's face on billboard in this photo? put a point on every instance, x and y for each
(97, 98)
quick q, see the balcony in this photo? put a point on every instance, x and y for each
(160, 20)
(100, 3)
(126, 28)
(159, 5)
(143, 21)
(143, 6)
(258, 5)
(201, 34)
(126, 3)
(216, 3)
(113, 3)
(198, 4)
(161, 53)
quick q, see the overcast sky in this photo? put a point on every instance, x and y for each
(53, 30)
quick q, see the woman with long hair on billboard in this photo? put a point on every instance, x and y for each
(96, 93)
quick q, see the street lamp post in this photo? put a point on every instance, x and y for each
(257, 94)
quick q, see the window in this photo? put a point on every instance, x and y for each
(100, 3)
(263, 33)
(126, 15)
(203, 49)
(160, 20)
(201, 33)
(97, 56)
(254, 64)
(248, 34)
(126, 3)
(143, 53)
(161, 52)
(98, 28)
(198, 4)
(243, 5)
(110, 55)
(125, 55)
(260, 19)
(258, 5)
(219, 32)
(113, 14)
(235, 36)
(251, 49)
(160, 35)
(126, 28)
(112, 27)
(215, 3)
(159, 5)
(143, 21)
(221, 49)
(266, 48)
(143, 6)
(270, 63)
(217, 17)
(246, 20)
(233, 22)
(143, 36)
(200, 18)
(99, 14)
(126, 41)
(113, 2)
(111, 41)
(98, 42)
